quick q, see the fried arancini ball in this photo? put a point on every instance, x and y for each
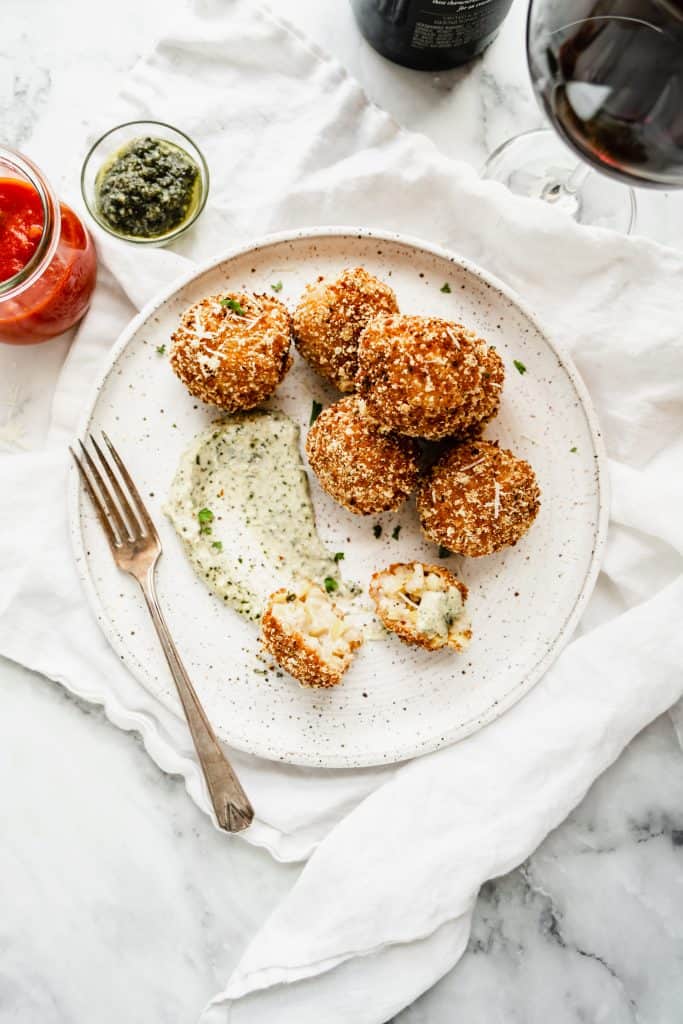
(424, 605)
(232, 350)
(483, 405)
(478, 498)
(427, 377)
(307, 635)
(365, 469)
(330, 317)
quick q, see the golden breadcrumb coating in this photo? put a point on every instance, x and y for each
(427, 377)
(424, 605)
(365, 469)
(330, 317)
(232, 357)
(478, 498)
(308, 635)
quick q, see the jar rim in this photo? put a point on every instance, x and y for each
(49, 238)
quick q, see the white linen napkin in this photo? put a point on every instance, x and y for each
(382, 908)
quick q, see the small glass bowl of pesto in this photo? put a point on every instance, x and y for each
(145, 182)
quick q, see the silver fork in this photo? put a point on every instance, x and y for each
(136, 548)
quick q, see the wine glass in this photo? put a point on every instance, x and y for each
(609, 75)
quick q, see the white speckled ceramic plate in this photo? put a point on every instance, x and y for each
(395, 702)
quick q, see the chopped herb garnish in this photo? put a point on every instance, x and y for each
(331, 584)
(395, 532)
(234, 305)
(446, 288)
(573, 449)
(316, 409)
(520, 367)
(161, 349)
(338, 556)
(377, 530)
(217, 544)
(444, 552)
(277, 287)
(205, 517)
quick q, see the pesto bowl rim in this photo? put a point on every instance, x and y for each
(195, 154)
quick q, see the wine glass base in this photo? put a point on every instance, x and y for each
(539, 165)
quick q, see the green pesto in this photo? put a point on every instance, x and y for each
(148, 188)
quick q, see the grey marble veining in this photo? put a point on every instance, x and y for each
(590, 928)
(116, 893)
(120, 901)
(25, 91)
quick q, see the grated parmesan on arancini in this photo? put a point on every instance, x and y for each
(232, 350)
(478, 498)
(330, 317)
(365, 469)
(428, 377)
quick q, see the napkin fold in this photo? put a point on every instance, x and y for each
(447, 823)
(383, 906)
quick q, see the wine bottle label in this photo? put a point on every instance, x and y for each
(444, 24)
(430, 35)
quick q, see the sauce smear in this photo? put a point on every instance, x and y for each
(241, 505)
(21, 225)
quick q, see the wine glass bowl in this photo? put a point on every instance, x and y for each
(609, 76)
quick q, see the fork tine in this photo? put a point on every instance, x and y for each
(140, 508)
(112, 537)
(106, 498)
(134, 521)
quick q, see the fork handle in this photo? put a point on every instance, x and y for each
(230, 802)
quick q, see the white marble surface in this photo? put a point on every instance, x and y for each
(116, 892)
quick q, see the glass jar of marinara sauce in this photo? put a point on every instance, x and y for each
(47, 258)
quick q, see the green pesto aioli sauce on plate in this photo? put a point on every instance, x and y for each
(240, 503)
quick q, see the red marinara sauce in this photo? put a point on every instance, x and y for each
(56, 292)
(21, 225)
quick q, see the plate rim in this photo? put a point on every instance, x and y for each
(497, 708)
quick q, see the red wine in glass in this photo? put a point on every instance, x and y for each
(609, 74)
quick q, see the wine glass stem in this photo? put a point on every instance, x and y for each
(576, 179)
(565, 192)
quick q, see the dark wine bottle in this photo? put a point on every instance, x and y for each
(430, 35)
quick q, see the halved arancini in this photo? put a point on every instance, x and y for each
(424, 605)
(308, 635)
